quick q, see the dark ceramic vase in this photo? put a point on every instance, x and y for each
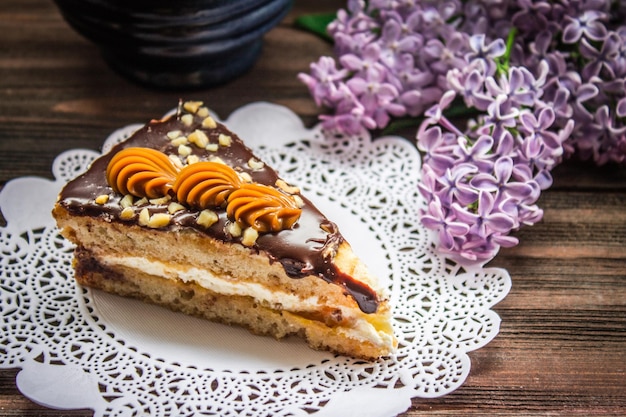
(176, 44)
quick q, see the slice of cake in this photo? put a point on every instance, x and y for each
(182, 214)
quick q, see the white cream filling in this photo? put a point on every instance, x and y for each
(362, 330)
(212, 282)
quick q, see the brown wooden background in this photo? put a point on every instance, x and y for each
(561, 350)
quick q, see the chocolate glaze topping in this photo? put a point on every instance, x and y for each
(305, 249)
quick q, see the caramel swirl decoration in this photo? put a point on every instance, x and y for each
(206, 184)
(142, 172)
(145, 172)
(263, 208)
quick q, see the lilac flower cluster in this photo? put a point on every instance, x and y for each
(584, 44)
(555, 88)
(483, 183)
(393, 60)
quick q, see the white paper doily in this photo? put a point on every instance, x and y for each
(79, 348)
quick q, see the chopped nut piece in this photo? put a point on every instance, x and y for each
(184, 150)
(218, 160)
(159, 220)
(326, 227)
(212, 147)
(176, 161)
(192, 106)
(141, 201)
(224, 140)
(245, 177)
(187, 119)
(102, 199)
(233, 229)
(209, 123)
(298, 200)
(161, 200)
(173, 134)
(203, 112)
(127, 214)
(207, 218)
(192, 159)
(290, 189)
(144, 217)
(173, 207)
(250, 236)
(181, 140)
(255, 163)
(126, 201)
(199, 138)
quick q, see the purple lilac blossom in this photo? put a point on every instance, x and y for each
(584, 44)
(489, 176)
(557, 89)
(392, 55)
(411, 45)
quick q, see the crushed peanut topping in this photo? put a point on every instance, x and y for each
(187, 119)
(159, 220)
(127, 213)
(192, 106)
(144, 217)
(203, 112)
(233, 229)
(173, 134)
(207, 218)
(181, 140)
(173, 207)
(326, 228)
(245, 177)
(199, 138)
(209, 123)
(250, 235)
(299, 201)
(192, 159)
(126, 201)
(102, 199)
(217, 160)
(255, 164)
(161, 200)
(184, 150)
(212, 147)
(175, 160)
(224, 140)
(290, 189)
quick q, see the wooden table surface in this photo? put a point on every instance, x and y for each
(561, 350)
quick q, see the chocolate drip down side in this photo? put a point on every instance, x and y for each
(304, 249)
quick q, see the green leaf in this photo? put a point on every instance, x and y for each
(503, 62)
(457, 111)
(396, 125)
(316, 23)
